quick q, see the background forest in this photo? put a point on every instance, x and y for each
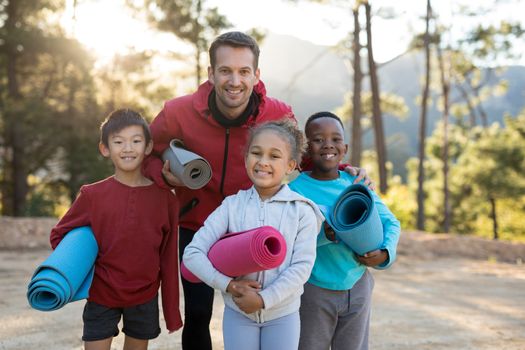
(437, 115)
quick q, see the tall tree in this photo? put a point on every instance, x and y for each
(353, 44)
(356, 143)
(36, 60)
(189, 20)
(420, 222)
(18, 31)
(376, 105)
(444, 71)
(14, 182)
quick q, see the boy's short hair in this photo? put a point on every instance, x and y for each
(120, 119)
(323, 115)
(234, 39)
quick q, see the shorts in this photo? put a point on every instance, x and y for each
(140, 321)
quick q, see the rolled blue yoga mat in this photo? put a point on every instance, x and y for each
(355, 219)
(67, 273)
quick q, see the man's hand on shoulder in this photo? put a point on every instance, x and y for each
(170, 179)
(361, 175)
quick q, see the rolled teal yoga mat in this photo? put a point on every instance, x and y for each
(355, 219)
(67, 273)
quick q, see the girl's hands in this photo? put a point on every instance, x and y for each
(238, 287)
(249, 302)
(245, 295)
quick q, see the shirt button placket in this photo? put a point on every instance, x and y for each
(132, 213)
(261, 213)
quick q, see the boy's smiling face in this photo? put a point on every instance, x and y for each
(326, 147)
(127, 148)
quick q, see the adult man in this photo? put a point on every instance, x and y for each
(213, 122)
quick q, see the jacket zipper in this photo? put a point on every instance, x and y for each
(225, 159)
(260, 275)
(258, 314)
(261, 318)
(188, 206)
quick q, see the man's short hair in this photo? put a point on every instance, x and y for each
(120, 119)
(234, 39)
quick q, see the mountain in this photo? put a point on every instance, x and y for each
(313, 78)
(309, 77)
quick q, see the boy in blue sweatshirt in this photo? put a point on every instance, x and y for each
(335, 306)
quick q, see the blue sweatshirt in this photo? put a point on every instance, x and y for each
(336, 266)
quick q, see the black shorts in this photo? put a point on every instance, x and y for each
(140, 321)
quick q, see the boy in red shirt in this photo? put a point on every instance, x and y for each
(135, 224)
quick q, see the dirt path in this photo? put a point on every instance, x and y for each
(443, 303)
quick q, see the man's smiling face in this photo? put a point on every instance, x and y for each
(233, 77)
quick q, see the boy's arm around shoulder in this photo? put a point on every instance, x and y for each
(391, 231)
(169, 266)
(196, 253)
(302, 260)
(78, 215)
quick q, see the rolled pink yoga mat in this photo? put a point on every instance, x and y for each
(240, 253)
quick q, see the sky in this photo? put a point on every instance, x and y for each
(108, 27)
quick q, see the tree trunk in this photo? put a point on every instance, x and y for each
(6, 175)
(376, 107)
(198, 44)
(445, 89)
(355, 158)
(483, 115)
(423, 126)
(494, 217)
(71, 112)
(198, 65)
(472, 111)
(15, 137)
(356, 142)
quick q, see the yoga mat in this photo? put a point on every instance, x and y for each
(67, 273)
(240, 253)
(193, 170)
(355, 219)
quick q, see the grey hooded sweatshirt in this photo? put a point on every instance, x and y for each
(299, 221)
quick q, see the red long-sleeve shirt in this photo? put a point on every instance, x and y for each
(136, 232)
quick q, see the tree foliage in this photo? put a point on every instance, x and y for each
(189, 20)
(44, 74)
(486, 164)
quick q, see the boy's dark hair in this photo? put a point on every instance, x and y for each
(323, 115)
(287, 129)
(234, 39)
(120, 119)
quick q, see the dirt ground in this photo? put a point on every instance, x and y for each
(444, 292)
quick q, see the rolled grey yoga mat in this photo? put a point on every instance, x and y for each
(355, 219)
(193, 170)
